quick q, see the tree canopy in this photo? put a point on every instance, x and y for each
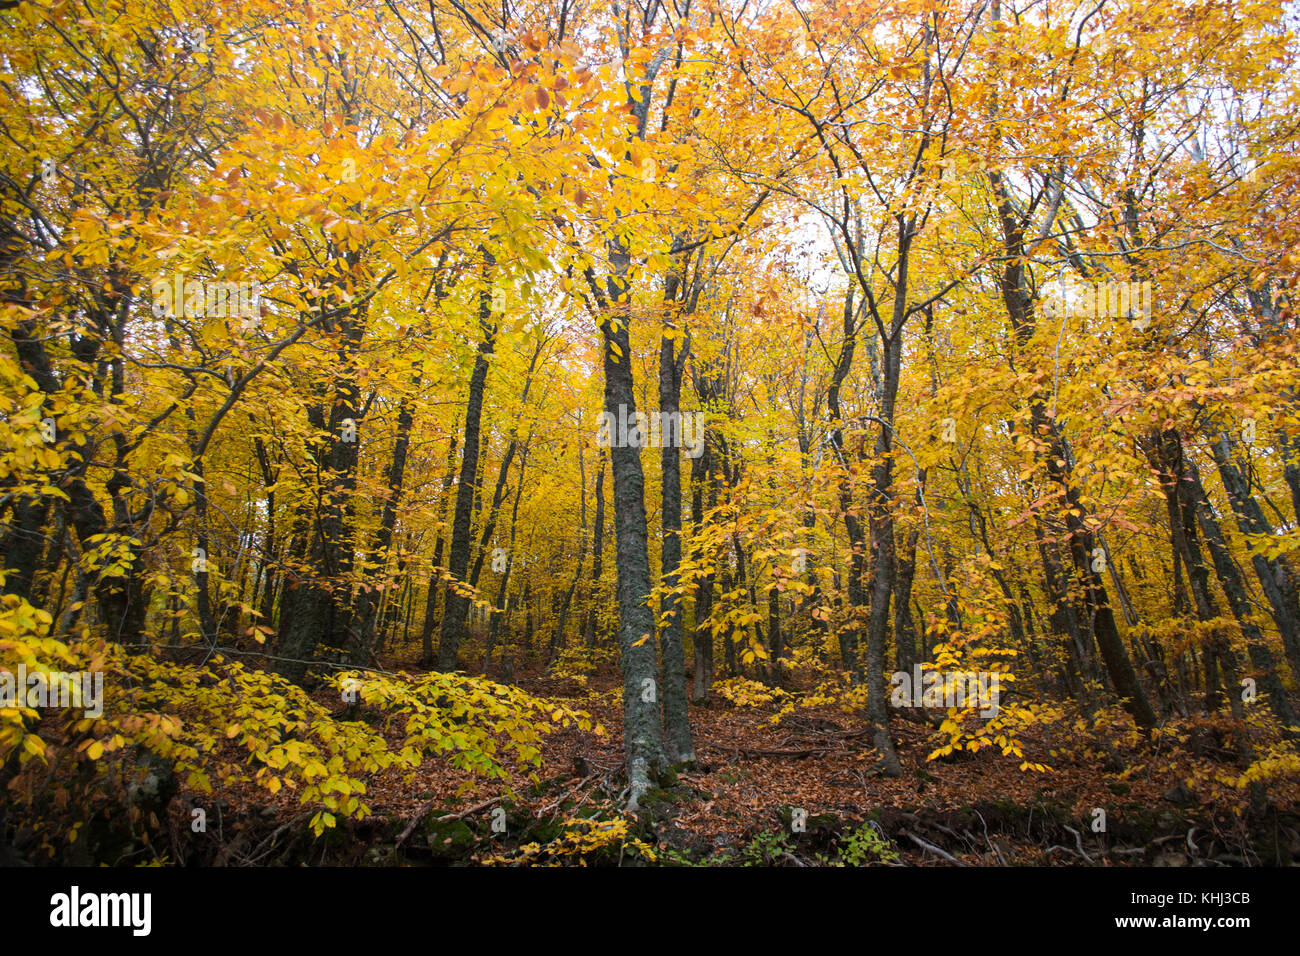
(401, 401)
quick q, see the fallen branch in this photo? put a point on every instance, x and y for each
(420, 814)
(551, 806)
(269, 843)
(809, 752)
(1078, 841)
(931, 847)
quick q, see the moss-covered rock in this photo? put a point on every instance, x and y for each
(448, 837)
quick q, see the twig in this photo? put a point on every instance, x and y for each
(551, 806)
(419, 815)
(931, 847)
(257, 852)
(996, 849)
(1078, 841)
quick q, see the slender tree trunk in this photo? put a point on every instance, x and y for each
(562, 619)
(368, 599)
(881, 523)
(435, 570)
(1165, 449)
(453, 618)
(597, 555)
(1261, 658)
(499, 617)
(702, 639)
(1051, 450)
(678, 747)
(848, 636)
(1274, 577)
(904, 627)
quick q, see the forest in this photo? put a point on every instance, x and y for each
(519, 433)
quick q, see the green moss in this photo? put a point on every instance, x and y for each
(449, 837)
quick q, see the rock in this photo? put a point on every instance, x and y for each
(152, 783)
(1170, 858)
(448, 838)
(1180, 794)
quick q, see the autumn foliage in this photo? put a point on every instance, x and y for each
(963, 340)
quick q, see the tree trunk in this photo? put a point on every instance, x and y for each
(499, 617)
(1274, 577)
(848, 636)
(702, 638)
(678, 747)
(642, 731)
(368, 599)
(21, 546)
(1234, 589)
(597, 555)
(1049, 447)
(562, 619)
(318, 615)
(435, 576)
(453, 617)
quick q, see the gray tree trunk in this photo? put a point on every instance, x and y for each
(639, 657)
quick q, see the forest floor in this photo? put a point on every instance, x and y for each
(754, 783)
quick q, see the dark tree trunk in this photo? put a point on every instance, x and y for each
(453, 618)
(729, 628)
(120, 599)
(318, 614)
(503, 476)
(435, 571)
(269, 543)
(702, 639)
(597, 555)
(558, 638)
(904, 627)
(368, 599)
(1166, 452)
(22, 543)
(678, 747)
(881, 523)
(1274, 577)
(1051, 450)
(500, 612)
(848, 635)
(1261, 658)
